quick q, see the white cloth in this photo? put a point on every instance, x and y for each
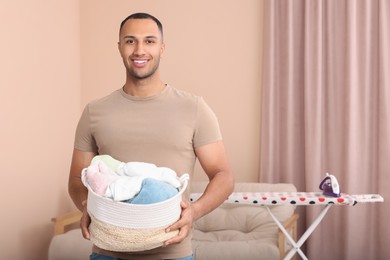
(130, 177)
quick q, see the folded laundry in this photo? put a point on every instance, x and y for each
(99, 177)
(134, 182)
(154, 191)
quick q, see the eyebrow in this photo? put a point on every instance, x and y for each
(133, 37)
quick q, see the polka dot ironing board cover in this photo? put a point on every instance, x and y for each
(295, 198)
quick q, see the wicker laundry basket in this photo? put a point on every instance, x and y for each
(124, 227)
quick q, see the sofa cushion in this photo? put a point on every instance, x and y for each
(70, 246)
(237, 231)
(242, 218)
(235, 250)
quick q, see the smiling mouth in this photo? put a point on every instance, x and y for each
(140, 62)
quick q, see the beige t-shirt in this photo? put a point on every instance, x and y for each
(162, 129)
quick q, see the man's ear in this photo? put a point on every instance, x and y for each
(120, 49)
(162, 49)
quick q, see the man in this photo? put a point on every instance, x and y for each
(149, 121)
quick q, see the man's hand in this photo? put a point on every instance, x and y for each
(184, 224)
(85, 221)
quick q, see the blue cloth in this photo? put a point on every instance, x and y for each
(95, 256)
(153, 191)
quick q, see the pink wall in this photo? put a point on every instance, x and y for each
(58, 55)
(39, 107)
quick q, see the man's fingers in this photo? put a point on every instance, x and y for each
(85, 233)
(84, 225)
(183, 233)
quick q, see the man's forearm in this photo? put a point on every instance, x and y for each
(76, 189)
(78, 193)
(216, 192)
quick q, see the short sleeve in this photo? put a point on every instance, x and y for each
(84, 139)
(207, 126)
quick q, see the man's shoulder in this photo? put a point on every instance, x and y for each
(182, 94)
(105, 100)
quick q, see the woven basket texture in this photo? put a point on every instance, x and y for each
(124, 227)
(119, 239)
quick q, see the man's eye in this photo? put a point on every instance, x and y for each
(150, 41)
(130, 41)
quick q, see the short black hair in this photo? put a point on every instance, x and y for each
(143, 16)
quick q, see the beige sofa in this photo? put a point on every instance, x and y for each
(232, 231)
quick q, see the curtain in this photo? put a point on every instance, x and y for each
(326, 108)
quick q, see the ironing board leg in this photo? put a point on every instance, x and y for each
(315, 223)
(308, 232)
(288, 236)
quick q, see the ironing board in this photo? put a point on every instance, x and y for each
(267, 199)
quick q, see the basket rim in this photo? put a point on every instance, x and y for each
(132, 215)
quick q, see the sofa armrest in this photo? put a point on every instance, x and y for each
(65, 220)
(291, 226)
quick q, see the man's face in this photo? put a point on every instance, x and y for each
(141, 46)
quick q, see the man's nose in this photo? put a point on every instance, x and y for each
(139, 48)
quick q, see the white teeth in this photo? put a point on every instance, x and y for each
(140, 61)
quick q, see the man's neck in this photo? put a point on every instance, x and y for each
(143, 88)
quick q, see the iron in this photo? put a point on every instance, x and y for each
(330, 186)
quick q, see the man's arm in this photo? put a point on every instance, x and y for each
(213, 160)
(77, 191)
